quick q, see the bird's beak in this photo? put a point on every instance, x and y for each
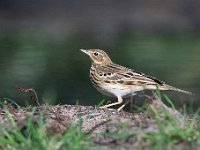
(84, 51)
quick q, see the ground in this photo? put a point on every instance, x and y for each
(156, 125)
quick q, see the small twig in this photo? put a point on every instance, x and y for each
(98, 125)
(34, 96)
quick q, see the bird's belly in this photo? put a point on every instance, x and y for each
(120, 92)
(114, 90)
(117, 91)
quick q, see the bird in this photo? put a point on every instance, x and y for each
(121, 82)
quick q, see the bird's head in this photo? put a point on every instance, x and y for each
(97, 56)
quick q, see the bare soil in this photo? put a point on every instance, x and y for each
(108, 128)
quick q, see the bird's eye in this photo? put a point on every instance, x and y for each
(96, 54)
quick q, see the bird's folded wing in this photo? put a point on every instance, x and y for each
(131, 78)
(120, 74)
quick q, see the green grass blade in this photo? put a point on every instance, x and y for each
(169, 101)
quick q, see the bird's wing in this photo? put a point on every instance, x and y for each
(122, 75)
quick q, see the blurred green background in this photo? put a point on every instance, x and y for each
(40, 42)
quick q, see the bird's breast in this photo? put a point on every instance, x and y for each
(108, 88)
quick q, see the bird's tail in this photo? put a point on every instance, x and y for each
(171, 88)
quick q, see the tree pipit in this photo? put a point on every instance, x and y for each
(117, 81)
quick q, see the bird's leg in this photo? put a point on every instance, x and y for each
(130, 100)
(121, 107)
(120, 100)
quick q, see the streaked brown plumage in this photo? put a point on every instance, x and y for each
(117, 81)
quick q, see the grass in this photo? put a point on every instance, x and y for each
(34, 136)
(38, 139)
(172, 132)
